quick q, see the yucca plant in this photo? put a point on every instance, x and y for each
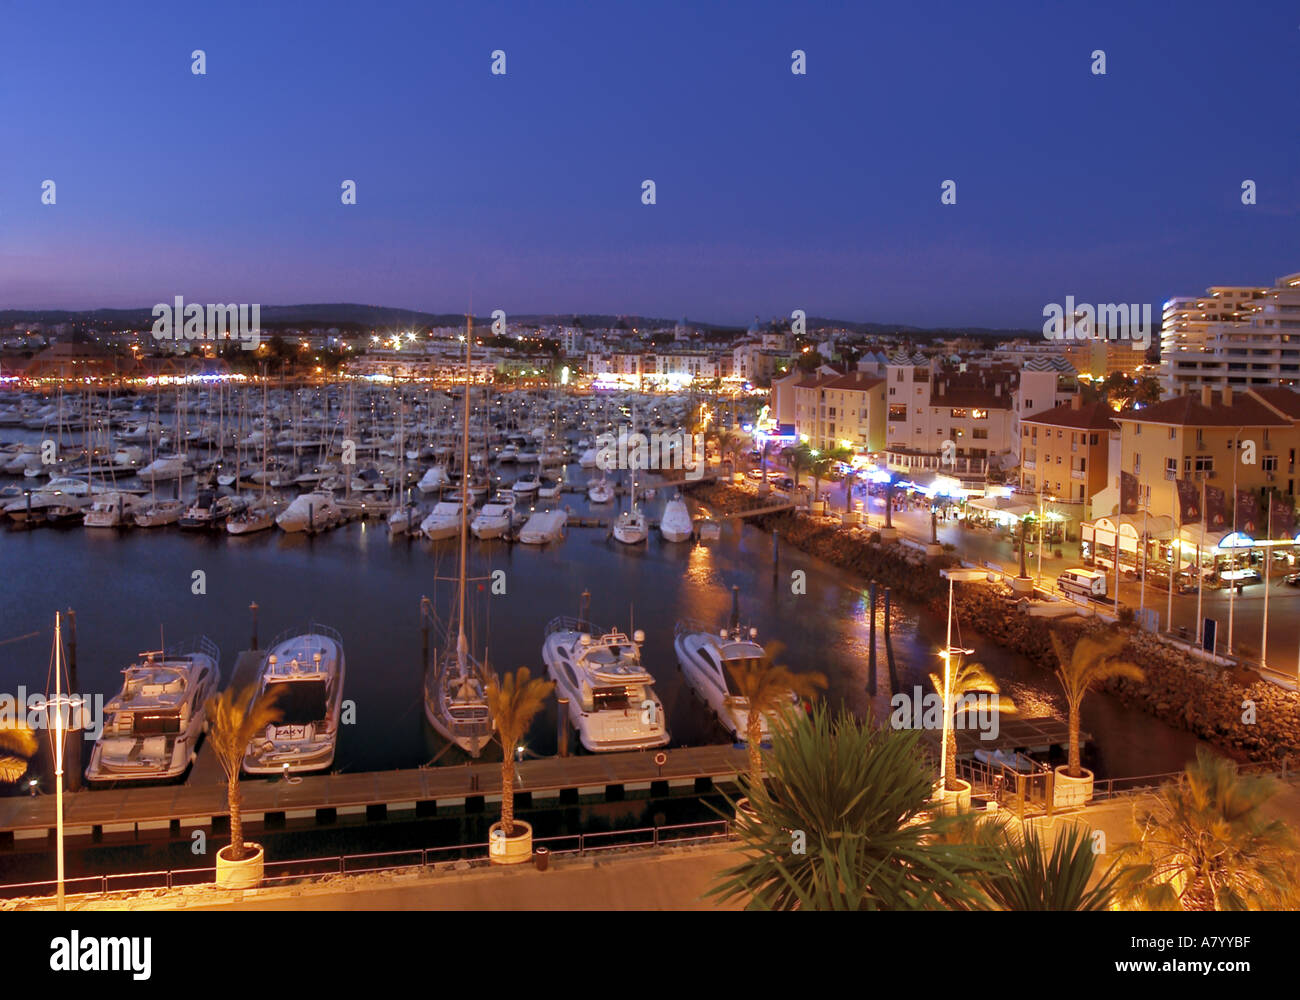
(234, 718)
(1094, 659)
(766, 686)
(1031, 877)
(1204, 843)
(965, 679)
(514, 701)
(845, 826)
(18, 745)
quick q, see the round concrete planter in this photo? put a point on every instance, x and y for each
(516, 850)
(246, 874)
(1069, 791)
(950, 801)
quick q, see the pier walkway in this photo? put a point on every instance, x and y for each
(421, 791)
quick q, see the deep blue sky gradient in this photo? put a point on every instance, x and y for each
(522, 192)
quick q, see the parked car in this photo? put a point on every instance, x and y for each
(1292, 579)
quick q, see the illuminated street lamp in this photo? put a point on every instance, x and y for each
(60, 710)
(948, 653)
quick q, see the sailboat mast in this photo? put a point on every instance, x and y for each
(462, 647)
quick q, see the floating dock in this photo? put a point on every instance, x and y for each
(430, 791)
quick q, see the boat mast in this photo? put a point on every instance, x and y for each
(462, 646)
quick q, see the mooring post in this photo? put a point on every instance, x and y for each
(889, 649)
(562, 727)
(253, 608)
(776, 553)
(871, 648)
(74, 771)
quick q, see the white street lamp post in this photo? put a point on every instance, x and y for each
(949, 651)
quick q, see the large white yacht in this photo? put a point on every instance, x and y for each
(704, 656)
(676, 524)
(304, 671)
(312, 511)
(434, 479)
(612, 701)
(152, 726)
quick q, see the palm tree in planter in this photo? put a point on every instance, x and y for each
(513, 701)
(234, 718)
(18, 745)
(1205, 843)
(769, 690)
(971, 688)
(1094, 659)
(847, 826)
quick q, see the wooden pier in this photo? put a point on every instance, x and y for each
(158, 809)
(1026, 735)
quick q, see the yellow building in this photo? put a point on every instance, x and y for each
(1247, 440)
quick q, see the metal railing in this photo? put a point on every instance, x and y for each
(300, 869)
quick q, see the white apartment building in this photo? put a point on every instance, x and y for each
(1238, 335)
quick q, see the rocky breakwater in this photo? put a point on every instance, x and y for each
(905, 570)
(1236, 710)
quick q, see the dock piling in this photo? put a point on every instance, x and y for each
(253, 608)
(562, 727)
(871, 647)
(889, 649)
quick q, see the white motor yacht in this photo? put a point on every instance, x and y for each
(612, 701)
(705, 655)
(443, 521)
(676, 524)
(496, 518)
(304, 672)
(159, 513)
(314, 511)
(434, 479)
(152, 726)
(544, 526)
(112, 510)
(165, 467)
(526, 484)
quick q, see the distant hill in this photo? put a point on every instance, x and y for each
(354, 317)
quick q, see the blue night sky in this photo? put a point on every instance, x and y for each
(523, 192)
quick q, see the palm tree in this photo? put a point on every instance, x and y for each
(766, 687)
(821, 464)
(965, 679)
(513, 703)
(1095, 658)
(799, 457)
(234, 718)
(1204, 843)
(846, 826)
(18, 745)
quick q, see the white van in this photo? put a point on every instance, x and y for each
(1084, 582)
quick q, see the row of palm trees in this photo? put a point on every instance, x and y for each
(845, 820)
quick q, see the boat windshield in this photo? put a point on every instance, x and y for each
(300, 702)
(151, 723)
(617, 698)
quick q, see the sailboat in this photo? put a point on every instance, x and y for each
(455, 685)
